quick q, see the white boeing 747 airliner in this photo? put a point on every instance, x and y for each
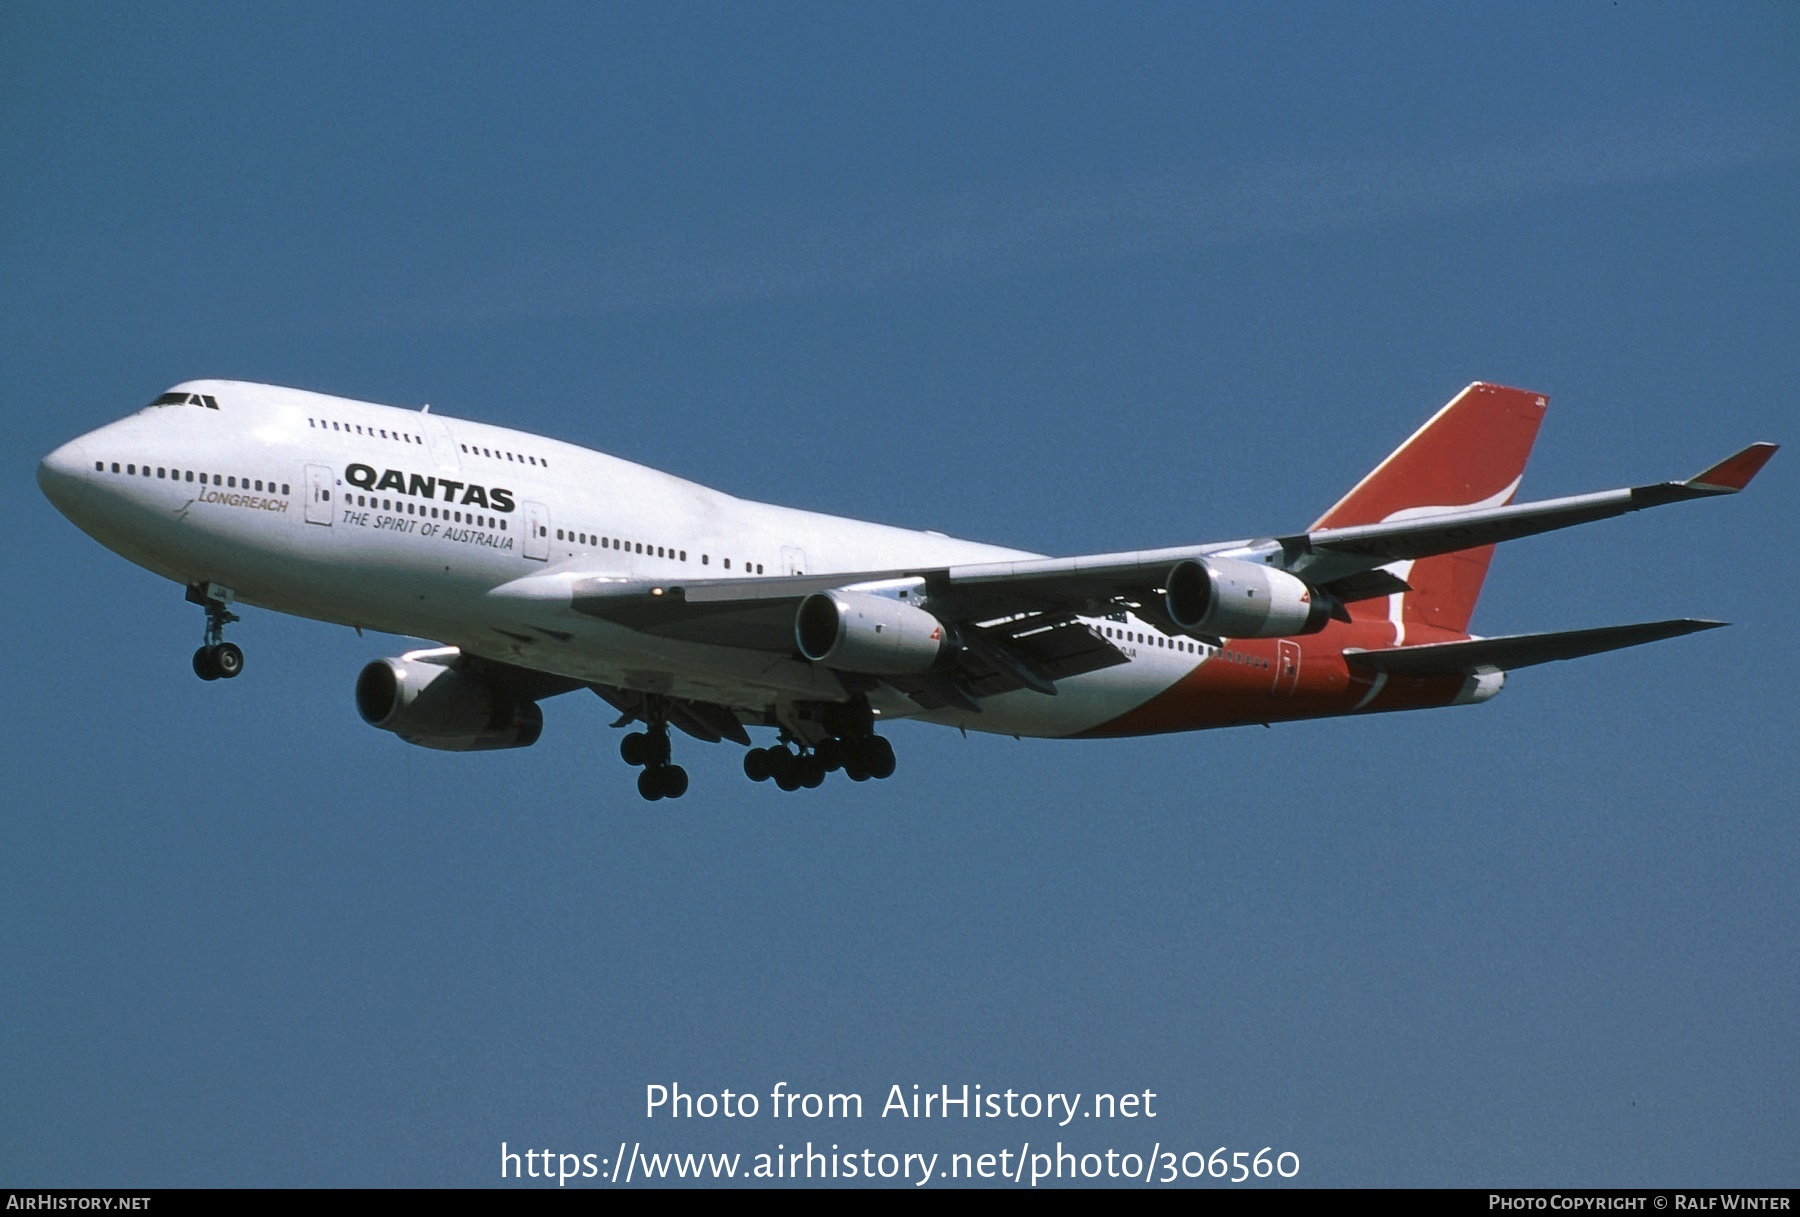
(539, 567)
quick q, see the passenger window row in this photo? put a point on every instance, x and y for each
(500, 454)
(421, 509)
(371, 432)
(653, 551)
(1160, 640)
(641, 547)
(230, 480)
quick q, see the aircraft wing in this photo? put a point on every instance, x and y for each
(1518, 650)
(1019, 619)
(1328, 554)
(758, 612)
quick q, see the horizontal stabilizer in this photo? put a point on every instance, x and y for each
(1519, 650)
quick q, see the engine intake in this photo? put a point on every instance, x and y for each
(438, 707)
(862, 632)
(1243, 600)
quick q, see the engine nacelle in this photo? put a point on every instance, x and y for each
(438, 707)
(1235, 599)
(861, 632)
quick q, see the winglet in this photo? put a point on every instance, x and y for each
(1734, 472)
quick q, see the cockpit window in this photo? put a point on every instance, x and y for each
(187, 399)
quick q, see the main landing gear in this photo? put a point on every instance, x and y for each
(861, 757)
(216, 659)
(815, 740)
(650, 749)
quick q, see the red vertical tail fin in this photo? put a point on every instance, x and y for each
(1471, 454)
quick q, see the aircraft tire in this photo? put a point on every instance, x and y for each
(880, 757)
(650, 784)
(203, 664)
(811, 772)
(674, 781)
(228, 660)
(756, 765)
(634, 749)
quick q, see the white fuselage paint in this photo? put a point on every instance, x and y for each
(405, 572)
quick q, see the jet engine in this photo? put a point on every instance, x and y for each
(864, 632)
(438, 707)
(1236, 599)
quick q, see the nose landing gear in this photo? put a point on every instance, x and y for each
(216, 659)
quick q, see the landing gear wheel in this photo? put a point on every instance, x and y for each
(868, 757)
(756, 765)
(878, 755)
(227, 659)
(204, 667)
(811, 772)
(645, 748)
(662, 782)
(634, 749)
(780, 761)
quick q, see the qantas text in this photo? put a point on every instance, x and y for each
(494, 498)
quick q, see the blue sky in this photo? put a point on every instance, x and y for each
(1059, 276)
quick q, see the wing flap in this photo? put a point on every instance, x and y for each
(706, 721)
(1054, 646)
(756, 621)
(1032, 651)
(1366, 585)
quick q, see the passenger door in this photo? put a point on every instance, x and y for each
(1287, 667)
(319, 507)
(537, 531)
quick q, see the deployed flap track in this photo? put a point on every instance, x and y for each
(706, 721)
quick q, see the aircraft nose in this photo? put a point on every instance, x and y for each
(63, 476)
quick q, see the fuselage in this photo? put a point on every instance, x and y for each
(413, 523)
